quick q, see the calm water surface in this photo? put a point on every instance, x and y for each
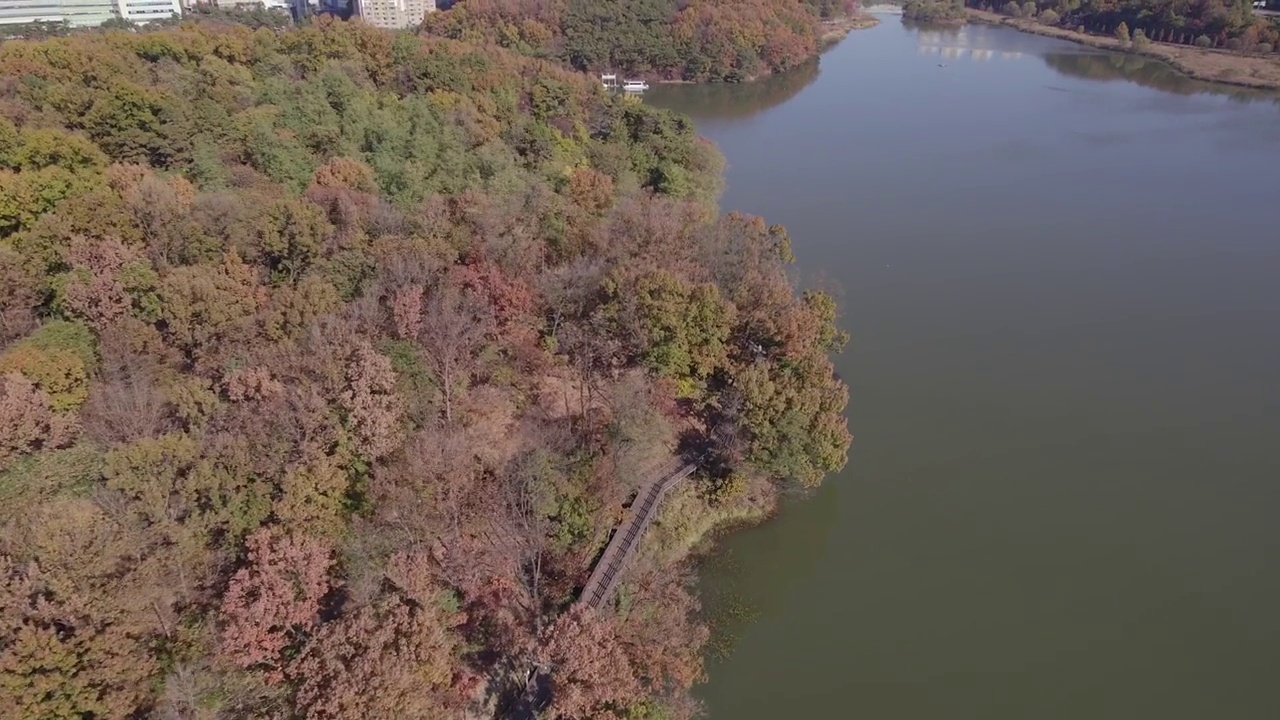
(1061, 271)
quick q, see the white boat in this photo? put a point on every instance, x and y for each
(635, 86)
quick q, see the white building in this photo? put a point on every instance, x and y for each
(77, 13)
(85, 13)
(142, 11)
(250, 4)
(394, 14)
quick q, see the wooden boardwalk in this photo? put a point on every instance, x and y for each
(608, 569)
(626, 539)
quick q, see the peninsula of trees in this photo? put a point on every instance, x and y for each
(695, 40)
(329, 358)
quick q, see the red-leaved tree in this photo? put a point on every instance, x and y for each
(95, 291)
(27, 422)
(374, 411)
(274, 602)
(393, 658)
(591, 676)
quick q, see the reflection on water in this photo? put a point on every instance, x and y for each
(981, 42)
(954, 52)
(984, 43)
(735, 101)
(1146, 72)
(730, 102)
(953, 43)
(1059, 280)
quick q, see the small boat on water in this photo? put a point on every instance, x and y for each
(610, 82)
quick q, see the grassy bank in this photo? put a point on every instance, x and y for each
(1211, 65)
(688, 525)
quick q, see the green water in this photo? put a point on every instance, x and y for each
(1060, 272)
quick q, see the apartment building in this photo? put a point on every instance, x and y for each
(85, 13)
(267, 4)
(77, 13)
(142, 11)
(394, 14)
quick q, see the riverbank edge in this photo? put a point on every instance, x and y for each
(833, 31)
(1225, 68)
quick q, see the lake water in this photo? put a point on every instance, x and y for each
(1061, 272)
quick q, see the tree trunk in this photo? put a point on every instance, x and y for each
(447, 381)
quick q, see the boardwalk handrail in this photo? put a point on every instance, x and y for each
(608, 570)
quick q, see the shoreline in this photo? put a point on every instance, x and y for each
(833, 31)
(1215, 66)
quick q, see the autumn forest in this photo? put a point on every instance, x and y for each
(695, 40)
(330, 357)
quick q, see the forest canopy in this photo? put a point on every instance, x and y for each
(724, 40)
(329, 358)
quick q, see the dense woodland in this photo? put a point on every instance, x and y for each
(329, 357)
(1227, 24)
(721, 40)
(934, 11)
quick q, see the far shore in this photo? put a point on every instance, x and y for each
(1218, 66)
